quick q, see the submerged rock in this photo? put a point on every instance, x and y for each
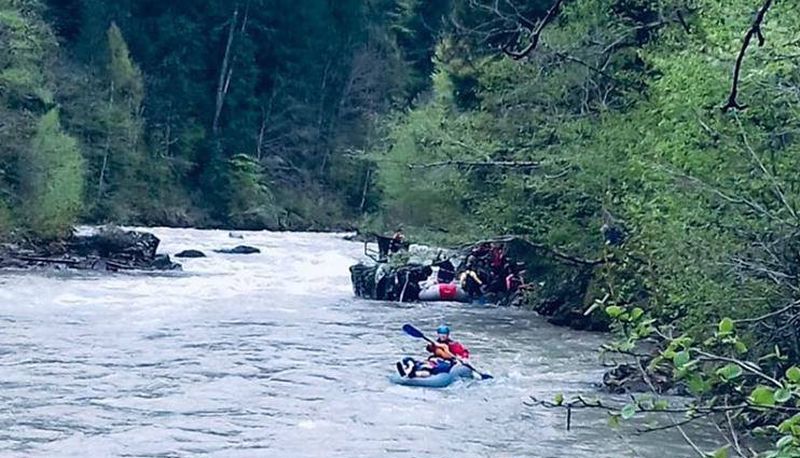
(163, 262)
(241, 249)
(190, 254)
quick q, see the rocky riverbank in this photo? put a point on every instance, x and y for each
(106, 249)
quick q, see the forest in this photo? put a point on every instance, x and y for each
(660, 136)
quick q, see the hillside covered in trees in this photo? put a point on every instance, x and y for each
(240, 114)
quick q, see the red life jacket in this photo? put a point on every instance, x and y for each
(455, 348)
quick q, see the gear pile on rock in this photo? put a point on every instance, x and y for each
(506, 271)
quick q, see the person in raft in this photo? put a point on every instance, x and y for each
(445, 352)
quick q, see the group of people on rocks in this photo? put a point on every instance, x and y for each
(487, 270)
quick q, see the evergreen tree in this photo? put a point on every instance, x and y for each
(121, 158)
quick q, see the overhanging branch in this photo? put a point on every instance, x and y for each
(755, 30)
(535, 34)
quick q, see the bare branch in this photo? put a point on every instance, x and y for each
(535, 34)
(755, 30)
(746, 365)
(501, 164)
(775, 185)
(767, 316)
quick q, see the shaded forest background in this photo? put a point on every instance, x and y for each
(215, 113)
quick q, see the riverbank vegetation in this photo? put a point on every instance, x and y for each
(619, 130)
(659, 136)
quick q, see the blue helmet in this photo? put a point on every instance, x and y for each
(443, 330)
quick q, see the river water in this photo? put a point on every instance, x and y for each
(270, 355)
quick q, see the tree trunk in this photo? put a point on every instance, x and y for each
(225, 74)
(364, 193)
(261, 133)
(104, 167)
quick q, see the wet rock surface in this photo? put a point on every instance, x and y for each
(241, 249)
(191, 254)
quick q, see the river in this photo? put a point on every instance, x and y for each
(270, 355)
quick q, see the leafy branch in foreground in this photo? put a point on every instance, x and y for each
(743, 393)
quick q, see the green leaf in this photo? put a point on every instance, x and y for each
(784, 441)
(782, 395)
(559, 399)
(741, 348)
(729, 372)
(628, 411)
(636, 313)
(681, 359)
(725, 326)
(613, 421)
(787, 425)
(614, 311)
(793, 374)
(721, 452)
(762, 396)
(697, 385)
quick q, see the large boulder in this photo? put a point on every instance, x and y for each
(129, 247)
(627, 378)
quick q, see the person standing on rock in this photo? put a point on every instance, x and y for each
(398, 239)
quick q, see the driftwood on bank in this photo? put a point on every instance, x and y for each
(455, 163)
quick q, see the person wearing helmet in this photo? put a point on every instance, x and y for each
(445, 352)
(445, 347)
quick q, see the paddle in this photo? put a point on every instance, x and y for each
(414, 332)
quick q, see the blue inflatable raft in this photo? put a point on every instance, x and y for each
(434, 381)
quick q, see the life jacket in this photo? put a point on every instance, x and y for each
(453, 349)
(498, 258)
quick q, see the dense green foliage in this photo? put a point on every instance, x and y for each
(620, 108)
(169, 101)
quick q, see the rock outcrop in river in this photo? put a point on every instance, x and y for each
(103, 249)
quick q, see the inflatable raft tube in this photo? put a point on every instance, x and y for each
(444, 292)
(434, 381)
